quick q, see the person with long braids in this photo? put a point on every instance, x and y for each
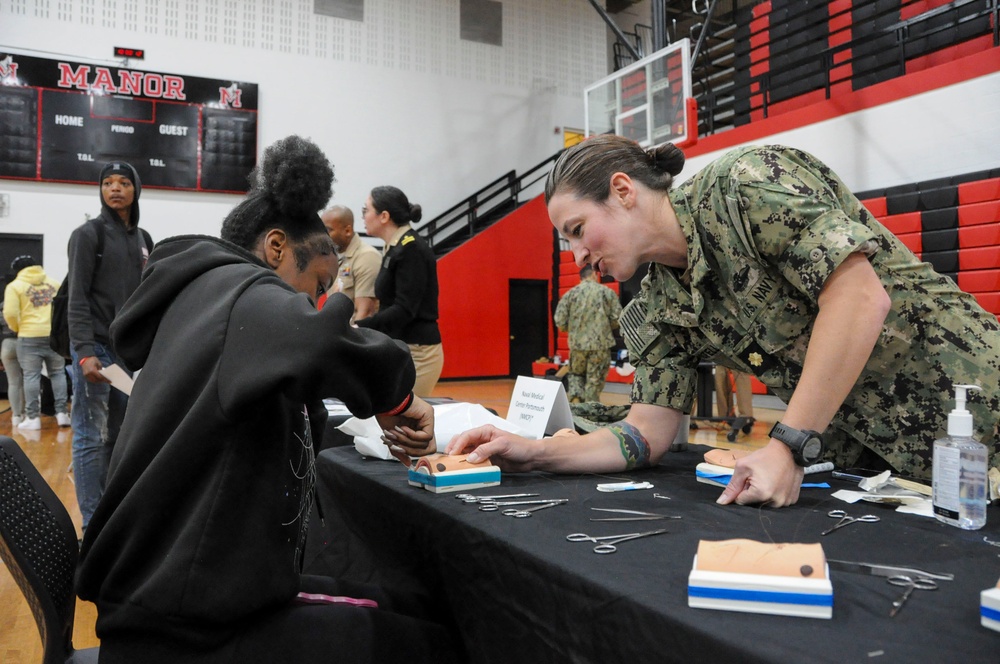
(195, 550)
(406, 286)
(766, 263)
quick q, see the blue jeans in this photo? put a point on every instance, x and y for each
(15, 381)
(98, 411)
(32, 352)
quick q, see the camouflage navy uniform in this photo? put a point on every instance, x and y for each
(590, 312)
(766, 226)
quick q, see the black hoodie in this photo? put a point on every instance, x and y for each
(209, 489)
(96, 296)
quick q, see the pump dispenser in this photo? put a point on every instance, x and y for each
(959, 470)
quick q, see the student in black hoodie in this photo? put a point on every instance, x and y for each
(194, 552)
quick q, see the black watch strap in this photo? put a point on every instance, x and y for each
(806, 445)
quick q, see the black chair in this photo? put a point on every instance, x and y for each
(39, 545)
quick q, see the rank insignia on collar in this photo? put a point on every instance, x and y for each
(755, 359)
(758, 359)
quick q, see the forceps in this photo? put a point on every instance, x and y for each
(638, 516)
(846, 520)
(607, 544)
(909, 582)
(524, 513)
(494, 506)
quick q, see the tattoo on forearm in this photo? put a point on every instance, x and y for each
(633, 446)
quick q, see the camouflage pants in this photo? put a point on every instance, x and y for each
(588, 369)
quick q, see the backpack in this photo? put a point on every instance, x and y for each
(59, 334)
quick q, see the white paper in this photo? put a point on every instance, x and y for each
(450, 419)
(119, 379)
(539, 406)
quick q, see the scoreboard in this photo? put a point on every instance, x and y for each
(62, 121)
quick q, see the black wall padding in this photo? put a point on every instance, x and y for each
(902, 198)
(946, 240)
(939, 220)
(942, 261)
(935, 198)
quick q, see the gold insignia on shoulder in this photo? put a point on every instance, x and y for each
(755, 359)
(406, 240)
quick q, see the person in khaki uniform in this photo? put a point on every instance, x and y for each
(766, 263)
(359, 262)
(589, 312)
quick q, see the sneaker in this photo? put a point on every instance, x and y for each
(31, 424)
(63, 419)
(16, 420)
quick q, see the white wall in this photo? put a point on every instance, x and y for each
(944, 132)
(397, 99)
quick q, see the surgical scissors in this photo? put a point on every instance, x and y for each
(524, 513)
(469, 498)
(607, 543)
(909, 582)
(637, 515)
(846, 520)
(496, 505)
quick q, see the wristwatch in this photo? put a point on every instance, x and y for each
(806, 445)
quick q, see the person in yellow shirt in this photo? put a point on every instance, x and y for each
(27, 308)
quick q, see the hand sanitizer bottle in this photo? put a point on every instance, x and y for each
(959, 471)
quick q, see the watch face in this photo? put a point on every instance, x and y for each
(812, 449)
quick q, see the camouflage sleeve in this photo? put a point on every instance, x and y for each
(614, 309)
(562, 312)
(787, 204)
(665, 373)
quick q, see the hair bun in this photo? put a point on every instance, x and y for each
(296, 175)
(416, 213)
(666, 157)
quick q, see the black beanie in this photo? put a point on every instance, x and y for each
(126, 170)
(119, 168)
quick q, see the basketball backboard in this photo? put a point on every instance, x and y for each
(647, 100)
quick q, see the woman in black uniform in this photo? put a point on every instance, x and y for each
(406, 286)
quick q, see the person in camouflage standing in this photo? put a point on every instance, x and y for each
(764, 262)
(589, 312)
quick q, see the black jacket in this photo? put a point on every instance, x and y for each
(96, 298)
(407, 292)
(210, 485)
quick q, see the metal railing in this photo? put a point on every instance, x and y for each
(486, 206)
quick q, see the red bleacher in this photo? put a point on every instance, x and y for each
(954, 224)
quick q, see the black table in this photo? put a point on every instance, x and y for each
(517, 591)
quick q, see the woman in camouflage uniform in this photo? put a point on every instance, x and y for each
(764, 262)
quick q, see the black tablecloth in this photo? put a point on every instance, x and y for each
(517, 591)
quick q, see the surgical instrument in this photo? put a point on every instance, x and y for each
(607, 543)
(524, 513)
(846, 520)
(637, 515)
(494, 506)
(909, 582)
(469, 498)
(885, 570)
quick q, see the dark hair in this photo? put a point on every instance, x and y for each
(392, 200)
(22, 262)
(586, 271)
(288, 188)
(586, 168)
